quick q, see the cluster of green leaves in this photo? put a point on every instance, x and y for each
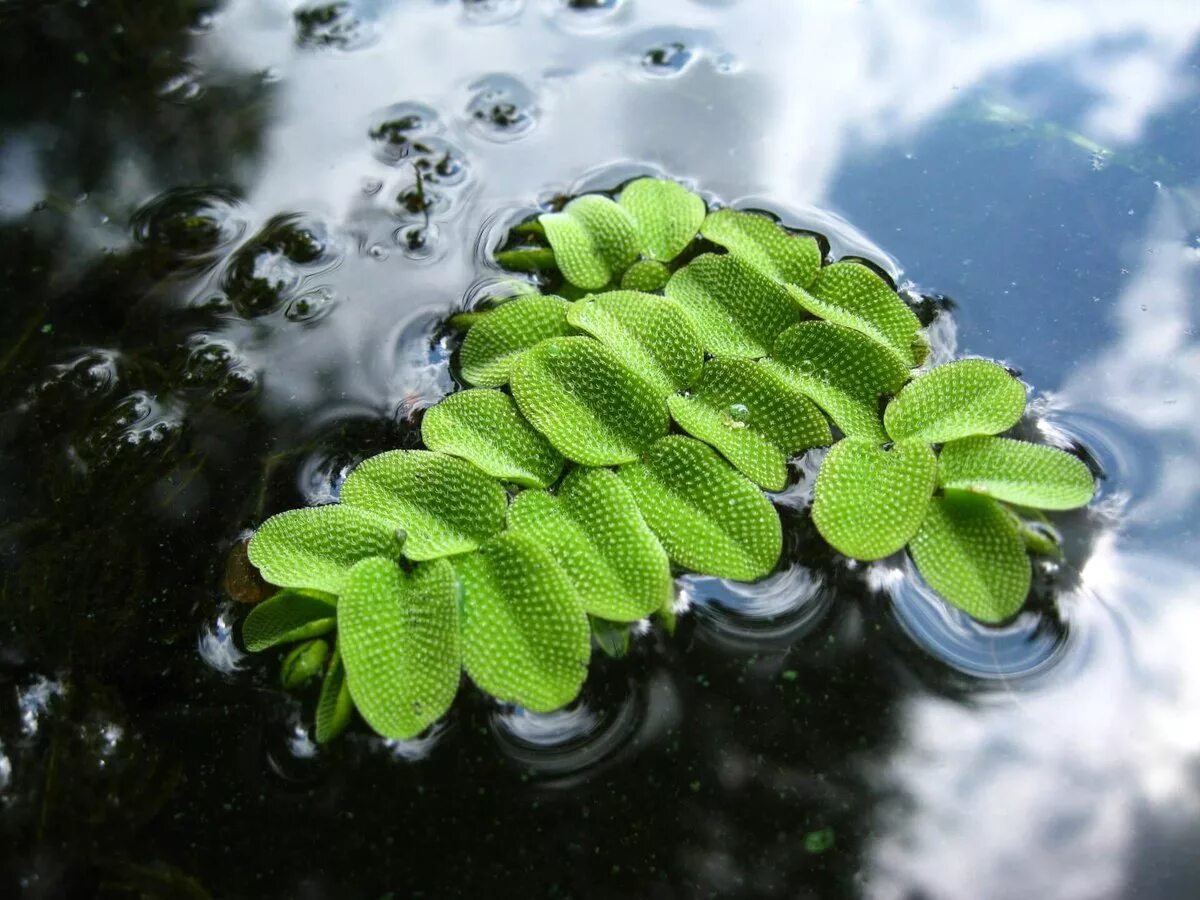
(553, 495)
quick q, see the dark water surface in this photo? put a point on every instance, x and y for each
(221, 284)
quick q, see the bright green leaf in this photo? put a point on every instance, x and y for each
(843, 371)
(400, 644)
(709, 518)
(766, 245)
(645, 275)
(970, 551)
(594, 240)
(486, 428)
(611, 637)
(446, 505)
(335, 706)
(850, 294)
(753, 416)
(592, 527)
(288, 616)
(302, 664)
(667, 215)
(735, 308)
(495, 342)
(650, 334)
(525, 635)
(956, 400)
(1017, 472)
(591, 407)
(314, 548)
(868, 502)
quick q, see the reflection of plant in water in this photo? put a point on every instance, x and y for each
(757, 353)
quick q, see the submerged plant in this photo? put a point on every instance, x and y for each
(636, 422)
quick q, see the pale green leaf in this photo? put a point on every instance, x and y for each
(766, 245)
(843, 371)
(667, 215)
(302, 664)
(650, 334)
(956, 400)
(400, 643)
(486, 428)
(314, 548)
(1017, 472)
(335, 706)
(611, 637)
(526, 638)
(850, 294)
(288, 616)
(868, 502)
(753, 416)
(594, 240)
(970, 551)
(645, 275)
(445, 505)
(591, 407)
(709, 518)
(735, 308)
(498, 339)
(593, 528)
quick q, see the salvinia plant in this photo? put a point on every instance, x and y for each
(627, 429)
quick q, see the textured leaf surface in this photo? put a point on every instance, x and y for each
(400, 644)
(593, 528)
(486, 428)
(843, 371)
(526, 638)
(709, 518)
(868, 502)
(650, 334)
(751, 415)
(736, 309)
(970, 551)
(594, 240)
(1016, 472)
(667, 215)
(850, 294)
(765, 245)
(335, 706)
(445, 505)
(645, 275)
(314, 548)
(288, 616)
(591, 407)
(956, 400)
(497, 340)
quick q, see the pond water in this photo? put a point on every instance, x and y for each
(223, 284)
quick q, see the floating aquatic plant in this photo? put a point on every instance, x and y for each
(553, 497)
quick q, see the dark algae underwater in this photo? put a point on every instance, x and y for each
(540, 448)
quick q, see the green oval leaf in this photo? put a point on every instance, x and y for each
(497, 340)
(444, 504)
(594, 240)
(970, 551)
(956, 400)
(868, 502)
(400, 644)
(751, 415)
(593, 529)
(1017, 472)
(525, 635)
(486, 428)
(850, 294)
(709, 518)
(335, 706)
(590, 406)
(735, 309)
(766, 245)
(645, 275)
(302, 664)
(314, 548)
(650, 334)
(843, 371)
(288, 616)
(667, 215)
